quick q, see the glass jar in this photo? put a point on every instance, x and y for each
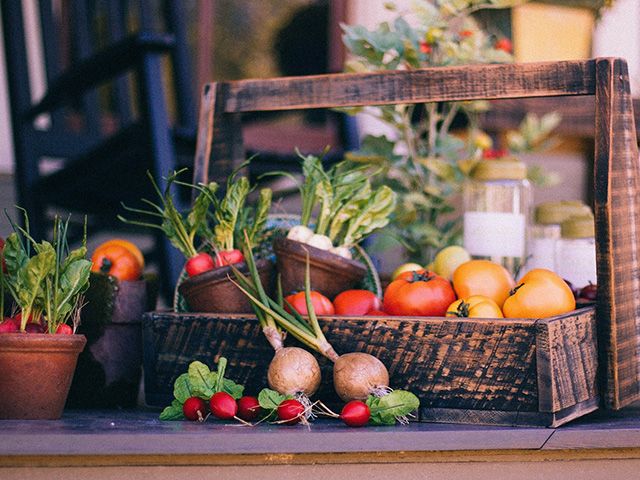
(497, 203)
(545, 233)
(576, 251)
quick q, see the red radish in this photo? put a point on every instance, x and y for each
(355, 413)
(9, 326)
(33, 327)
(223, 406)
(290, 411)
(200, 263)
(228, 257)
(64, 329)
(194, 408)
(248, 408)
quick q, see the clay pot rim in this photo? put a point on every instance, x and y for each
(327, 260)
(217, 275)
(22, 341)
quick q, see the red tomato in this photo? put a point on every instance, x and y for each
(421, 293)
(228, 257)
(356, 302)
(321, 304)
(376, 313)
(200, 263)
(503, 44)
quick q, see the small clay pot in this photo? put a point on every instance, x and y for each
(37, 369)
(213, 291)
(329, 273)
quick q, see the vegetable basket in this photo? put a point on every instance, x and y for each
(541, 372)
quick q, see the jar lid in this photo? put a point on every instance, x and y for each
(506, 168)
(549, 213)
(578, 226)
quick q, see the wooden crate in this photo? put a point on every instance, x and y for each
(504, 372)
(616, 205)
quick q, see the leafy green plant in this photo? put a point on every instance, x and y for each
(45, 279)
(422, 159)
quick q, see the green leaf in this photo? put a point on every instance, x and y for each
(232, 388)
(270, 399)
(200, 380)
(387, 409)
(181, 388)
(172, 412)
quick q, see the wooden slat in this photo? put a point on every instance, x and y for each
(567, 361)
(617, 214)
(429, 84)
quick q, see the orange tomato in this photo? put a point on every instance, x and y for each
(540, 294)
(118, 261)
(133, 248)
(482, 277)
(475, 306)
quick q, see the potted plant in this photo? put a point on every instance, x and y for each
(430, 149)
(38, 346)
(347, 209)
(219, 224)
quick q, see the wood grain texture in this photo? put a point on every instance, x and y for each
(469, 365)
(567, 360)
(415, 86)
(617, 183)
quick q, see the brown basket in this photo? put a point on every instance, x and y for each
(329, 273)
(507, 372)
(555, 374)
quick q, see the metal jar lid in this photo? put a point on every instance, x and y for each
(578, 226)
(550, 213)
(506, 168)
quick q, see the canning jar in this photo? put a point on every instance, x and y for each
(497, 202)
(576, 251)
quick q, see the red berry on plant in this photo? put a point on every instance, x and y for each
(194, 408)
(223, 406)
(425, 48)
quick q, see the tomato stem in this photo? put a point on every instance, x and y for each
(515, 289)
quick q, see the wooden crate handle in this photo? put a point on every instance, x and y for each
(617, 182)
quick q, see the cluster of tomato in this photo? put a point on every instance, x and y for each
(478, 289)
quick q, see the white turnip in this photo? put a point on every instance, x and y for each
(293, 371)
(357, 375)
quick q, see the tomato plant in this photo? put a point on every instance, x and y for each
(421, 293)
(475, 306)
(540, 294)
(118, 261)
(356, 302)
(321, 304)
(482, 277)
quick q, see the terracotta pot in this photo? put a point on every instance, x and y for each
(330, 273)
(37, 369)
(213, 292)
(110, 367)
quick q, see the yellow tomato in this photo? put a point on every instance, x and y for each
(475, 306)
(482, 277)
(540, 294)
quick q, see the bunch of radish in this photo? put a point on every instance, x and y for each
(218, 222)
(356, 375)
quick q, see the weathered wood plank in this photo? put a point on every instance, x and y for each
(617, 183)
(422, 85)
(567, 360)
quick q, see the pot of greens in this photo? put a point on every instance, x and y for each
(339, 209)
